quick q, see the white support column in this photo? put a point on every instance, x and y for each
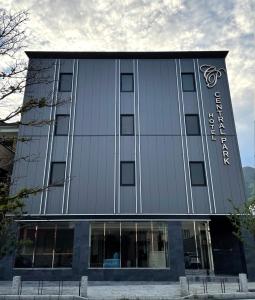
(184, 289)
(16, 285)
(243, 282)
(84, 286)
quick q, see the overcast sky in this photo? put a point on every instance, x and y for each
(164, 25)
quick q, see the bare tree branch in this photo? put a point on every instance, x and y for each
(12, 32)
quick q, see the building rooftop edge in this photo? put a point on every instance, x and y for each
(127, 55)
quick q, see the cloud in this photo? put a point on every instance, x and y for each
(140, 25)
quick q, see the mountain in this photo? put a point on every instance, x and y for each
(249, 180)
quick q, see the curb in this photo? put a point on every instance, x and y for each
(41, 297)
(239, 295)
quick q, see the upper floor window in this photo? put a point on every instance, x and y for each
(126, 82)
(62, 125)
(65, 82)
(57, 173)
(127, 173)
(127, 124)
(188, 82)
(197, 173)
(192, 124)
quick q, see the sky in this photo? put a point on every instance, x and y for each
(156, 25)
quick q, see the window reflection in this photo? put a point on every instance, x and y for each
(25, 258)
(45, 246)
(143, 244)
(196, 246)
(129, 245)
(128, 241)
(112, 245)
(158, 257)
(97, 252)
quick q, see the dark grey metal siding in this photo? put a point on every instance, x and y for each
(161, 150)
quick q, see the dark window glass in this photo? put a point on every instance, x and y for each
(65, 82)
(57, 176)
(112, 245)
(97, 251)
(44, 247)
(64, 248)
(128, 241)
(188, 82)
(129, 245)
(24, 257)
(195, 245)
(64, 240)
(127, 124)
(143, 244)
(126, 82)
(127, 173)
(158, 257)
(63, 260)
(62, 124)
(192, 125)
(197, 173)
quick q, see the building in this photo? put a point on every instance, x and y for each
(141, 162)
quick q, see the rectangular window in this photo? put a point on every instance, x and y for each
(144, 244)
(112, 245)
(129, 245)
(192, 124)
(197, 173)
(24, 259)
(45, 246)
(63, 248)
(128, 241)
(127, 173)
(65, 82)
(188, 82)
(127, 124)
(97, 247)
(126, 82)
(57, 173)
(62, 124)
(195, 245)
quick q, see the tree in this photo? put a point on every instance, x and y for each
(243, 219)
(15, 76)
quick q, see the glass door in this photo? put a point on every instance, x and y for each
(197, 247)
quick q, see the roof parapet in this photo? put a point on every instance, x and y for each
(127, 55)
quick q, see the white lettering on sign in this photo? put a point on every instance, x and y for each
(211, 125)
(221, 128)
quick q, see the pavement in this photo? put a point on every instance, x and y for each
(123, 290)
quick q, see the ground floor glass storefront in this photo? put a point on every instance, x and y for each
(125, 250)
(115, 245)
(129, 245)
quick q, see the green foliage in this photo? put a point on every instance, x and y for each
(243, 218)
(249, 180)
(11, 207)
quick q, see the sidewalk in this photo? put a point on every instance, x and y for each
(133, 290)
(124, 290)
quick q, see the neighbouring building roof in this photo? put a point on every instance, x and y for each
(127, 55)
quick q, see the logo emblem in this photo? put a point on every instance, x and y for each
(211, 74)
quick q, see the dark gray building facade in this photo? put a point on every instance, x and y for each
(140, 158)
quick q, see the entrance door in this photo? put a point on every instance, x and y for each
(227, 250)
